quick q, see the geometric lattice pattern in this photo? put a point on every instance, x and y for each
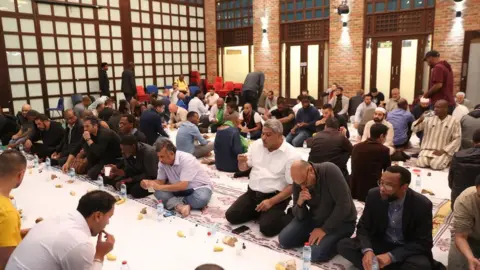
(304, 31)
(235, 37)
(406, 22)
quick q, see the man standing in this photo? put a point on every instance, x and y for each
(12, 170)
(182, 183)
(461, 100)
(395, 227)
(401, 121)
(140, 162)
(379, 118)
(129, 87)
(188, 132)
(126, 126)
(151, 122)
(323, 210)
(364, 113)
(465, 168)
(101, 145)
(369, 159)
(377, 97)
(331, 145)
(441, 80)
(470, 123)
(104, 82)
(178, 115)
(218, 114)
(284, 114)
(392, 103)
(441, 140)
(49, 132)
(270, 185)
(253, 88)
(465, 246)
(71, 138)
(306, 118)
(339, 102)
(65, 242)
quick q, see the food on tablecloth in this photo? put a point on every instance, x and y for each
(111, 257)
(38, 220)
(120, 201)
(180, 234)
(230, 240)
(53, 176)
(72, 193)
(30, 171)
(429, 174)
(217, 249)
(144, 211)
(70, 181)
(288, 265)
(58, 185)
(429, 192)
(139, 217)
(20, 212)
(11, 197)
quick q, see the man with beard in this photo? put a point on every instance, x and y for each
(441, 80)
(339, 103)
(470, 123)
(49, 132)
(71, 138)
(127, 127)
(392, 103)
(442, 138)
(379, 118)
(327, 113)
(306, 118)
(364, 113)
(395, 227)
(377, 97)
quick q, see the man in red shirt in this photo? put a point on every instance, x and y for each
(441, 80)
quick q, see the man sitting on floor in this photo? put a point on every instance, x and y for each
(323, 210)
(196, 105)
(331, 145)
(65, 242)
(71, 138)
(211, 98)
(465, 168)
(182, 182)
(140, 162)
(379, 117)
(465, 245)
(419, 109)
(442, 137)
(127, 127)
(470, 123)
(188, 133)
(284, 114)
(107, 110)
(401, 121)
(101, 146)
(228, 145)
(327, 113)
(305, 127)
(178, 115)
(392, 103)
(12, 170)
(364, 113)
(270, 185)
(151, 122)
(26, 121)
(49, 132)
(339, 103)
(182, 101)
(218, 113)
(250, 122)
(395, 227)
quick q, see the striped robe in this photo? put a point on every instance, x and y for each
(439, 135)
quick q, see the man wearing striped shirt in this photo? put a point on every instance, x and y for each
(442, 137)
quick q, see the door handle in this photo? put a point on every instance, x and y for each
(392, 71)
(464, 69)
(396, 71)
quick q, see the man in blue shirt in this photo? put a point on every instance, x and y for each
(151, 122)
(401, 121)
(188, 132)
(305, 127)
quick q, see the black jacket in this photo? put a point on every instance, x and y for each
(104, 83)
(353, 104)
(106, 113)
(416, 224)
(8, 127)
(143, 166)
(464, 169)
(151, 126)
(128, 82)
(51, 138)
(66, 148)
(105, 147)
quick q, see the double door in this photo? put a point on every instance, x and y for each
(305, 68)
(396, 62)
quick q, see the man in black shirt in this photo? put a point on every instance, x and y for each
(377, 97)
(284, 114)
(26, 119)
(327, 112)
(49, 132)
(101, 146)
(140, 162)
(107, 110)
(72, 137)
(127, 127)
(104, 82)
(151, 122)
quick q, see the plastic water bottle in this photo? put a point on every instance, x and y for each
(209, 129)
(249, 137)
(123, 190)
(307, 256)
(213, 228)
(418, 183)
(124, 266)
(375, 265)
(100, 182)
(35, 162)
(20, 147)
(48, 164)
(71, 173)
(305, 144)
(160, 210)
(1, 145)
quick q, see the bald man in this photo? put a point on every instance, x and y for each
(218, 113)
(178, 115)
(392, 103)
(26, 124)
(323, 209)
(441, 138)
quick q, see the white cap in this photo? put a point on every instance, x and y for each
(424, 100)
(381, 109)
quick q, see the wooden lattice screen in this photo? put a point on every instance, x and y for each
(235, 37)
(305, 31)
(400, 23)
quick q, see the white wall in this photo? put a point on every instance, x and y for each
(235, 66)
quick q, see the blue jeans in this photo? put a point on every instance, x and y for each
(298, 138)
(298, 232)
(197, 199)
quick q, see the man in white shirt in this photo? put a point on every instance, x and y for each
(218, 114)
(379, 117)
(174, 94)
(196, 105)
(63, 243)
(270, 187)
(211, 97)
(365, 108)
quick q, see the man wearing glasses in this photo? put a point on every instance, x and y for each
(395, 227)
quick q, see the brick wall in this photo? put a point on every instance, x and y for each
(267, 47)
(450, 31)
(211, 39)
(345, 59)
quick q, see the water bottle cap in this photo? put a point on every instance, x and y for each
(160, 201)
(307, 244)
(124, 262)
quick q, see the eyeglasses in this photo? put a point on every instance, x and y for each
(387, 187)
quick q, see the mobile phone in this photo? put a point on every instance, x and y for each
(168, 213)
(240, 229)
